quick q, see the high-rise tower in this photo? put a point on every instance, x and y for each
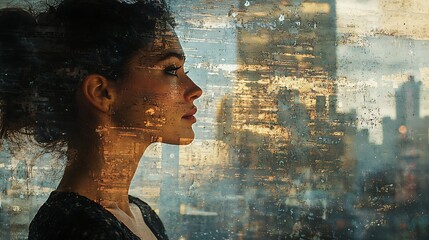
(408, 101)
(281, 45)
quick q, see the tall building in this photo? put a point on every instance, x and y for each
(408, 101)
(393, 175)
(284, 48)
(407, 113)
(284, 131)
(406, 140)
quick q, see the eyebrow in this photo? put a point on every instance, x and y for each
(168, 55)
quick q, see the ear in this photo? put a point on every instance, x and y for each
(99, 92)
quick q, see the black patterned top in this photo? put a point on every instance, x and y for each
(67, 215)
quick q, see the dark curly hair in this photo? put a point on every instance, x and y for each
(43, 58)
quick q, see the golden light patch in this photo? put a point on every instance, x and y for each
(150, 111)
(313, 7)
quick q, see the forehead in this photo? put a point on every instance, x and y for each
(165, 44)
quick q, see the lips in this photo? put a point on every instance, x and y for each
(190, 115)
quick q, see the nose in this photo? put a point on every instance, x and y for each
(193, 91)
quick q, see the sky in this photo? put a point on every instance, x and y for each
(380, 43)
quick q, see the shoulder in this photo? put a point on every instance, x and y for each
(152, 219)
(70, 216)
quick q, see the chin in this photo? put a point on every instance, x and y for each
(184, 140)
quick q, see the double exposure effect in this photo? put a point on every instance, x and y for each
(313, 125)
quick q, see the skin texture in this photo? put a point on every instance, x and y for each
(118, 120)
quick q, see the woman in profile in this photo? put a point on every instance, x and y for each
(98, 80)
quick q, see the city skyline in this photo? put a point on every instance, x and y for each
(380, 43)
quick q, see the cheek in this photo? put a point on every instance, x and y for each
(148, 111)
(152, 102)
(153, 117)
(150, 114)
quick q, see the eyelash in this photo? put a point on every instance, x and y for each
(173, 71)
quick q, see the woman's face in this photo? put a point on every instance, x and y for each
(156, 99)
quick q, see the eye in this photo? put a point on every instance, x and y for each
(172, 70)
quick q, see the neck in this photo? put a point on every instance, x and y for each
(103, 172)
